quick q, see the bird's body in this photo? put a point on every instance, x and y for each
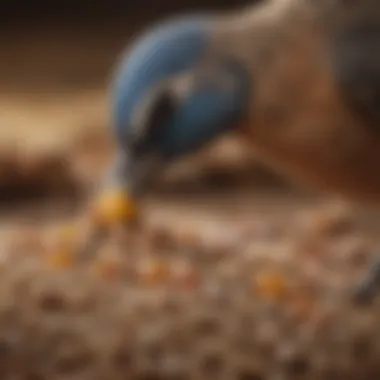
(298, 79)
(301, 117)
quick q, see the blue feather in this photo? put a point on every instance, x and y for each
(169, 49)
(204, 116)
(164, 51)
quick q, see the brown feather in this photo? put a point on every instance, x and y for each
(299, 118)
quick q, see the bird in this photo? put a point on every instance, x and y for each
(299, 80)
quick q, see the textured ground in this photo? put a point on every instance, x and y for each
(223, 280)
(210, 297)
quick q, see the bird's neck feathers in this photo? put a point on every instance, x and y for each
(209, 113)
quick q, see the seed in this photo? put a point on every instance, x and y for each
(271, 285)
(114, 207)
(61, 259)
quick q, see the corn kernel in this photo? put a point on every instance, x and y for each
(61, 259)
(114, 207)
(271, 285)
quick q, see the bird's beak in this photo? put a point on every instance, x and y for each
(117, 202)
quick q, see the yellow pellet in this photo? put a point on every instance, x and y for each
(114, 207)
(61, 259)
(271, 285)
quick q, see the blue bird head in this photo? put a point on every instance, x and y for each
(171, 97)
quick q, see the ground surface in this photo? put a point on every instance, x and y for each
(222, 281)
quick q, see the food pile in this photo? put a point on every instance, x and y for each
(225, 300)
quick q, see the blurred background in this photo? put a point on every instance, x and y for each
(56, 59)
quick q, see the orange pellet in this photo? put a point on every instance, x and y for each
(271, 285)
(114, 207)
(61, 259)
